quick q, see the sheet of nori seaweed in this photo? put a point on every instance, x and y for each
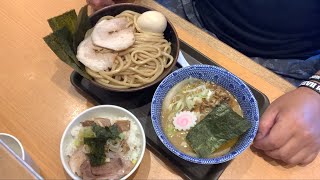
(68, 32)
(67, 19)
(58, 43)
(83, 25)
(219, 126)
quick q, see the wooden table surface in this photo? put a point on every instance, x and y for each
(37, 100)
(10, 167)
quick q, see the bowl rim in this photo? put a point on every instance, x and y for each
(169, 69)
(134, 118)
(166, 142)
(23, 155)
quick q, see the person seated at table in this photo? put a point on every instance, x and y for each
(283, 36)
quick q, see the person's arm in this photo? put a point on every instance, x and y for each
(98, 4)
(290, 128)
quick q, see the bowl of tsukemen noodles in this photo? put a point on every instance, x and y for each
(129, 48)
(204, 114)
(103, 142)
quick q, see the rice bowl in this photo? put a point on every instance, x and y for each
(134, 138)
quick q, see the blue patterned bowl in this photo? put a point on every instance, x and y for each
(223, 78)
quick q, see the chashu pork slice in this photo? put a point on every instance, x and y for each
(93, 57)
(76, 159)
(113, 34)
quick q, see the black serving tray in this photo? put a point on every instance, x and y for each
(139, 104)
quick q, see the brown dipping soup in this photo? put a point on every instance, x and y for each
(199, 97)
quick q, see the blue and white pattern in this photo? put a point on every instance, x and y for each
(223, 78)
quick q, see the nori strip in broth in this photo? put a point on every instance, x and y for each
(219, 126)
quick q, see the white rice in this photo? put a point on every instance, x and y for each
(75, 131)
(134, 139)
(71, 147)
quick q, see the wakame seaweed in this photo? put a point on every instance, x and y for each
(218, 127)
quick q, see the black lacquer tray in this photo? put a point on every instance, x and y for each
(139, 104)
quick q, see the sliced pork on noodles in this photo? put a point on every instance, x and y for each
(94, 57)
(142, 56)
(113, 34)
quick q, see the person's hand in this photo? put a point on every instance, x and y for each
(98, 4)
(290, 128)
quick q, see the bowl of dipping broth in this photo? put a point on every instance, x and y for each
(103, 142)
(204, 114)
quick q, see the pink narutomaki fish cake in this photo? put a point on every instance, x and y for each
(184, 120)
